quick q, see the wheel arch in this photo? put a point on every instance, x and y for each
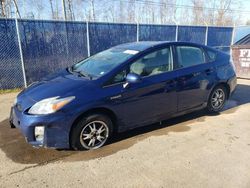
(97, 110)
(224, 84)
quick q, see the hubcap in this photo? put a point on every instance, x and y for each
(218, 98)
(94, 134)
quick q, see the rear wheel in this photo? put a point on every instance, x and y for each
(217, 99)
(91, 132)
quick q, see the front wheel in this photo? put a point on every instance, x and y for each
(217, 99)
(91, 132)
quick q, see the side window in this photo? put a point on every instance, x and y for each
(120, 77)
(211, 55)
(154, 63)
(189, 56)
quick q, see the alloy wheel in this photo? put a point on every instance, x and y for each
(218, 98)
(94, 134)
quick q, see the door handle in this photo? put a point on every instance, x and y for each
(170, 85)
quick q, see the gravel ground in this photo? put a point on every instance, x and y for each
(195, 150)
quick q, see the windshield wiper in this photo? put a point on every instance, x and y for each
(84, 74)
(80, 73)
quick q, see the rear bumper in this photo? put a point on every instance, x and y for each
(57, 128)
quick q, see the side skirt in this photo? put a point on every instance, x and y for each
(204, 105)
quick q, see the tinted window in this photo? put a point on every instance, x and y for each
(189, 56)
(154, 63)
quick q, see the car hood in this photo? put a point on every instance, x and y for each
(62, 84)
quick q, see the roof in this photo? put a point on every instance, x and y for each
(140, 46)
(244, 41)
(143, 45)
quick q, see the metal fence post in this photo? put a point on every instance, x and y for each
(206, 33)
(176, 32)
(137, 32)
(232, 41)
(233, 33)
(87, 30)
(21, 52)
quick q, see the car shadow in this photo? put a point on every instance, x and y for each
(240, 96)
(14, 146)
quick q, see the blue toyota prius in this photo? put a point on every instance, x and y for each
(124, 87)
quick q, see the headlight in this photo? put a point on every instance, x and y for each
(49, 105)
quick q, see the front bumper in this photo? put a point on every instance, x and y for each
(57, 128)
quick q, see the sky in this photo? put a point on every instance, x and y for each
(244, 6)
(26, 6)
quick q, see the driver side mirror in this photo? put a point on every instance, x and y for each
(132, 78)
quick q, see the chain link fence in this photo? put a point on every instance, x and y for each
(48, 46)
(11, 75)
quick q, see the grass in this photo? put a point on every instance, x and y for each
(4, 91)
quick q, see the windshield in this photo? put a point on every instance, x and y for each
(103, 62)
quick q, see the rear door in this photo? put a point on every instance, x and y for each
(195, 76)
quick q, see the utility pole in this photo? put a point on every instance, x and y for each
(64, 10)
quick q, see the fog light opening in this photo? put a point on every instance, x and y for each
(39, 133)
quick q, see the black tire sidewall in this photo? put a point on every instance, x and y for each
(210, 108)
(76, 130)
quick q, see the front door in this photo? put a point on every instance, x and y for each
(154, 96)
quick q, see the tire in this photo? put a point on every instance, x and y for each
(217, 99)
(91, 132)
